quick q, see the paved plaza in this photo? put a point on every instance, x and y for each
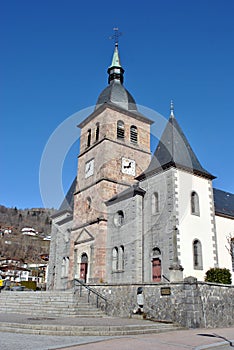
(176, 340)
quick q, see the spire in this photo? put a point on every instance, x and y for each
(172, 109)
(115, 93)
(115, 59)
(115, 70)
(174, 150)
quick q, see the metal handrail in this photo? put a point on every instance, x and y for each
(166, 278)
(90, 290)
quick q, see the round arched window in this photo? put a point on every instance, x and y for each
(119, 218)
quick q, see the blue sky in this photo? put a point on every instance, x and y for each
(54, 57)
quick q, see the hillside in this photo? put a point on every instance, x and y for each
(16, 219)
(16, 245)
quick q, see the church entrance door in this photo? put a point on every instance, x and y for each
(156, 270)
(84, 267)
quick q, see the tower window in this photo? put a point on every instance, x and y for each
(195, 203)
(155, 203)
(89, 138)
(133, 134)
(120, 129)
(197, 255)
(97, 131)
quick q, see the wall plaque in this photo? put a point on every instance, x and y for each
(165, 291)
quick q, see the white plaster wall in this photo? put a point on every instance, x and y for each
(225, 228)
(193, 227)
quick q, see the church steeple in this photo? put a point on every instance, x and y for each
(115, 70)
(115, 93)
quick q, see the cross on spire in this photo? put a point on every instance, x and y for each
(116, 35)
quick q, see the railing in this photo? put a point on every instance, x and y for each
(166, 278)
(90, 291)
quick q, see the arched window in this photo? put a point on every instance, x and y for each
(120, 129)
(84, 258)
(63, 269)
(121, 258)
(97, 131)
(89, 138)
(156, 251)
(119, 218)
(197, 255)
(133, 134)
(155, 203)
(115, 259)
(195, 203)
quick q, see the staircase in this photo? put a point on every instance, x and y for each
(66, 313)
(48, 304)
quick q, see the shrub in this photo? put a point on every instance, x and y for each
(218, 275)
(29, 284)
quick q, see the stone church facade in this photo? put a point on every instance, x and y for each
(130, 217)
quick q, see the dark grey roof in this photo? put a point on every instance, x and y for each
(117, 94)
(224, 203)
(61, 213)
(174, 150)
(128, 193)
(68, 202)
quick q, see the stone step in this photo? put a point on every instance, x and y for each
(86, 330)
(59, 304)
(90, 312)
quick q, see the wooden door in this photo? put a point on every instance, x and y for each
(156, 270)
(83, 271)
(84, 267)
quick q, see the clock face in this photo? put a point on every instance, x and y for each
(128, 166)
(89, 168)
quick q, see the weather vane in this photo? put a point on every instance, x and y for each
(116, 35)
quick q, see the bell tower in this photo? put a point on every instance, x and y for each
(114, 149)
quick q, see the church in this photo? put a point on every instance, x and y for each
(134, 217)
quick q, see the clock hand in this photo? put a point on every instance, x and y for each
(128, 166)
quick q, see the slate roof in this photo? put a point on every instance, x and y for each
(224, 203)
(116, 93)
(174, 150)
(128, 193)
(68, 202)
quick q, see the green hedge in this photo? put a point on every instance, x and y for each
(218, 275)
(29, 284)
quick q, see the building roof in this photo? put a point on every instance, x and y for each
(224, 203)
(115, 93)
(128, 193)
(174, 150)
(68, 202)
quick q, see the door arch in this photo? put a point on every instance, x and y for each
(84, 267)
